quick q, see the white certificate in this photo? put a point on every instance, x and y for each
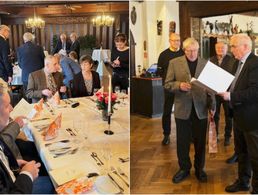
(214, 79)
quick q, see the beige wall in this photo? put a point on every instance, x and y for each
(145, 29)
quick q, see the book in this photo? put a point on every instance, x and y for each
(213, 78)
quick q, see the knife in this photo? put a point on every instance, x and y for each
(120, 188)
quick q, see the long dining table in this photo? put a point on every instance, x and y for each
(82, 149)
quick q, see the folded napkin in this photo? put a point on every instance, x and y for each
(37, 108)
(76, 186)
(55, 99)
(51, 131)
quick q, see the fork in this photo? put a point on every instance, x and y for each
(69, 152)
(121, 172)
(113, 170)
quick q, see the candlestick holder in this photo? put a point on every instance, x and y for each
(109, 131)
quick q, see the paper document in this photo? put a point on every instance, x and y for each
(214, 78)
(23, 108)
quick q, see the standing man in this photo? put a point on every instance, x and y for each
(226, 62)
(75, 44)
(191, 110)
(6, 69)
(62, 44)
(172, 52)
(30, 57)
(243, 98)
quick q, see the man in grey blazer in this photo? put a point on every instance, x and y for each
(191, 110)
(45, 82)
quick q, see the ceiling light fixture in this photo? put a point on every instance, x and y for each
(35, 22)
(103, 20)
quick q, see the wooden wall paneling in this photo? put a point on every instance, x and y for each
(50, 35)
(110, 37)
(104, 37)
(15, 36)
(43, 38)
(20, 29)
(47, 40)
(91, 29)
(11, 37)
(81, 30)
(97, 35)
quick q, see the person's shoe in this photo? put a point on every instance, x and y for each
(232, 159)
(237, 186)
(227, 141)
(201, 176)
(166, 140)
(180, 176)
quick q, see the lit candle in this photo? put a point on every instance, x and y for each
(109, 94)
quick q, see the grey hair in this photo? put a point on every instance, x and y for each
(3, 88)
(28, 37)
(48, 59)
(73, 34)
(3, 27)
(190, 41)
(242, 39)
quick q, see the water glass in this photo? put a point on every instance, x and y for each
(117, 89)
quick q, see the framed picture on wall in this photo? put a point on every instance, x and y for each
(256, 51)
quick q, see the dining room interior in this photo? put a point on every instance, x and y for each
(81, 140)
(153, 163)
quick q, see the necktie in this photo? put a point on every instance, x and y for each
(51, 84)
(236, 76)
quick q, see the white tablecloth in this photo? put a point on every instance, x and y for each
(101, 55)
(87, 123)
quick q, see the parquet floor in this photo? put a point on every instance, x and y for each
(153, 165)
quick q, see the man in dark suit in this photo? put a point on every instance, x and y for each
(243, 98)
(11, 182)
(172, 52)
(62, 44)
(30, 57)
(226, 62)
(75, 44)
(45, 82)
(191, 110)
(6, 69)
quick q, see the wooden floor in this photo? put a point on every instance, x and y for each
(153, 165)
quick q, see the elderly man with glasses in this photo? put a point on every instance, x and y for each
(191, 110)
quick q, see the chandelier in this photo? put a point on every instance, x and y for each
(103, 20)
(35, 22)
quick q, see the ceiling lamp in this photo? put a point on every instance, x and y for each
(35, 22)
(103, 20)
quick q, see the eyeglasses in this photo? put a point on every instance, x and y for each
(191, 51)
(175, 40)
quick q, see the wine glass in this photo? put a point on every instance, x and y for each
(117, 89)
(123, 95)
(106, 155)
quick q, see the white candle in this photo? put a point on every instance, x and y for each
(109, 94)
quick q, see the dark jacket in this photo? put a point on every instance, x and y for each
(227, 63)
(244, 97)
(30, 58)
(6, 69)
(22, 184)
(75, 46)
(78, 87)
(59, 47)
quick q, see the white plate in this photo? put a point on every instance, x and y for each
(105, 185)
(59, 148)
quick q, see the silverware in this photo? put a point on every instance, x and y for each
(59, 149)
(120, 188)
(70, 131)
(115, 172)
(95, 155)
(62, 141)
(98, 163)
(68, 152)
(123, 160)
(121, 172)
(39, 119)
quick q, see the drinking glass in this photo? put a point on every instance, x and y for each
(117, 89)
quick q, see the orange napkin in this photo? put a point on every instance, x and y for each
(76, 186)
(51, 131)
(55, 99)
(37, 108)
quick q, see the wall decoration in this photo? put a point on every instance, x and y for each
(159, 27)
(172, 27)
(133, 15)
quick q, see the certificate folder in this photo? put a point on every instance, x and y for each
(213, 78)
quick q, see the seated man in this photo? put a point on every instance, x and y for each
(45, 82)
(17, 176)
